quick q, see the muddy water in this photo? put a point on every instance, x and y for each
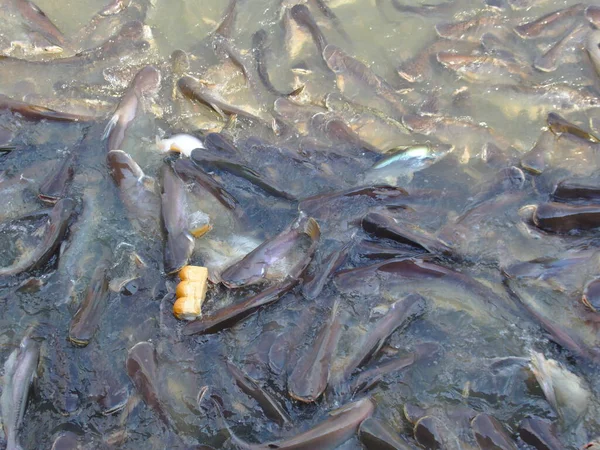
(479, 324)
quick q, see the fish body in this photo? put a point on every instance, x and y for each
(19, 371)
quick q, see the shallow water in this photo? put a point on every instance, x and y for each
(476, 317)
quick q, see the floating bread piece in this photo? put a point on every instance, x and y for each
(190, 292)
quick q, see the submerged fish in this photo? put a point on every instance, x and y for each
(19, 371)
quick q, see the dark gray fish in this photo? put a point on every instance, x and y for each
(569, 190)
(432, 433)
(592, 14)
(227, 24)
(19, 371)
(376, 435)
(551, 24)
(89, 314)
(342, 64)
(137, 191)
(67, 441)
(55, 186)
(485, 68)
(329, 14)
(535, 160)
(52, 234)
(179, 244)
(372, 375)
(36, 112)
(38, 21)
(399, 315)
(242, 171)
(259, 49)
(549, 61)
(540, 434)
(308, 380)
(506, 180)
(145, 82)
(490, 434)
(189, 171)
(271, 407)
(303, 17)
(385, 226)
(563, 218)
(229, 316)
(426, 10)
(340, 426)
(142, 368)
(469, 29)
(284, 256)
(312, 287)
(558, 125)
(340, 133)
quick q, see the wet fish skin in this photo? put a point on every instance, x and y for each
(372, 375)
(340, 426)
(256, 265)
(146, 82)
(549, 61)
(55, 186)
(313, 287)
(558, 125)
(564, 218)
(229, 316)
(592, 47)
(544, 26)
(398, 315)
(227, 24)
(179, 244)
(308, 379)
(89, 314)
(271, 407)
(376, 435)
(569, 190)
(540, 434)
(303, 17)
(490, 434)
(592, 14)
(259, 49)
(19, 371)
(469, 29)
(53, 233)
(36, 112)
(40, 22)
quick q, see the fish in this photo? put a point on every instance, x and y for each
(36, 112)
(568, 394)
(142, 368)
(469, 29)
(592, 46)
(549, 61)
(592, 14)
(312, 287)
(303, 17)
(145, 83)
(136, 190)
(333, 18)
(377, 435)
(540, 434)
(179, 244)
(340, 426)
(51, 235)
(570, 190)
(180, 143)
(259, 50)
(89, 313)
(344, 65)
(558, 125)
(271, 407)
(551, 24)
(308, 380)
(398, 316)
(284, 256)
(426, 10)
(55, 186)
(225, 27)
(40, 22)
(564, 218)
(19, 372)
(489, 433)
(591, 295)
(229, 316)
(485, 68)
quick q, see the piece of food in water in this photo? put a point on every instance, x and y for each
(564, 218)
(309, 377)
(190, 292)
(19, 372)
(146, 82)
(283, 256)
(490, 434)
(52, 233)
(568, 394)
(540, 434)
(180, 143)
(340, 426)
